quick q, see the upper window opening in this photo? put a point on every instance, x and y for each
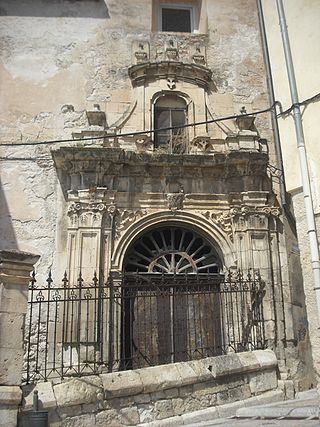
(170, 111)
(179, 16)
(177, 19)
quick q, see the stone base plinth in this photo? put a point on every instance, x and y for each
(10, 398)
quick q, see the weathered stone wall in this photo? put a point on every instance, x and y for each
(15, 268)
(157, 393)
(58, 59)
(61, 58)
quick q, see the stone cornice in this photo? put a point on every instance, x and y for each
(119, 162)
(198, 75)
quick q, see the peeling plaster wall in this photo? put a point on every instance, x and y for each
(59, 58)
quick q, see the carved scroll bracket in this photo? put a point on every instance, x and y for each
(222, 220)
(123, 218)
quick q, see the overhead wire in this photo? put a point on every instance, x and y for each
(307, 101)
(152, 131)
(144, 132)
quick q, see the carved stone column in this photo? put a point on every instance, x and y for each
(255, 236)
(86, 237)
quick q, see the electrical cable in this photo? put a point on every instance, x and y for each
(121, 135)
(151, 131)
(308, 101)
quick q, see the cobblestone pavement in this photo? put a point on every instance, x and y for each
(286, 414)
(257, 423)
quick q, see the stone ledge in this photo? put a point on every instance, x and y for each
(155, 379)
(18, 256)
(117, 384)
(148, 380)
(10, 395)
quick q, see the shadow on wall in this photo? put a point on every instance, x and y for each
(55, 8)
(7, 234)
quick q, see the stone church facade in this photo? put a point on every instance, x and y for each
(146, 181)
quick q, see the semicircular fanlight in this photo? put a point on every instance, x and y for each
(172, 250)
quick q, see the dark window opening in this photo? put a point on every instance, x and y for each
(177, 20)
(170, 111)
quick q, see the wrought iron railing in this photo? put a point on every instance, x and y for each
(139, 320)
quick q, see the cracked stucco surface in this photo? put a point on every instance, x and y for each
(60, 54)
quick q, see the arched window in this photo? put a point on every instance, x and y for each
(170, 111)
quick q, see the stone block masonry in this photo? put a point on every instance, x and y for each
(15, 268)
(168, 393)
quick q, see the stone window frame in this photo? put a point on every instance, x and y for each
(192, 5)
(189, 109)
(191, 8)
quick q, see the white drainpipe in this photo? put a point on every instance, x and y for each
(314, 249)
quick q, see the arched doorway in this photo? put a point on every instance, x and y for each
(170, 301)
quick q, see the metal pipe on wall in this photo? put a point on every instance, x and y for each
(305, 176)
(275, 127)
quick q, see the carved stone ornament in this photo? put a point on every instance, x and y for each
(198, 56)
(175, 201)
(191, 73)
(201, 143)
(93, 207)
(86, 207)
(124, 218)
(142, 142)
(86, 214)
(171, 83)
(221, 219)
(112, 209)
(255, 210)
(140, 52)
(172, 53)
(141, 56)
